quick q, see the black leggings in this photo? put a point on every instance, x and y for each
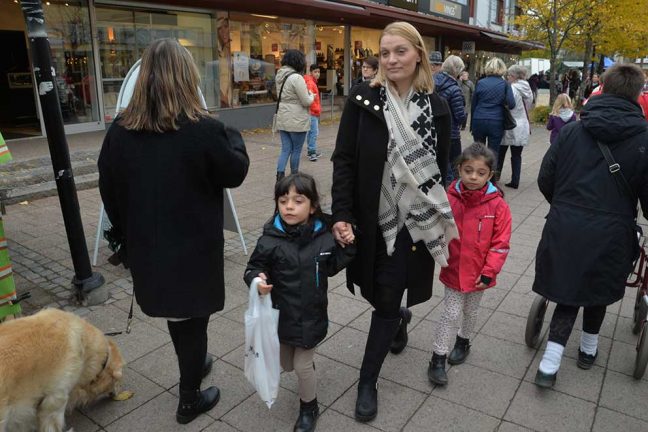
(564, 317)
(190, 342)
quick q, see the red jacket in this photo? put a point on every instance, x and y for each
(484, 222)
(311, 85)
(643, 101)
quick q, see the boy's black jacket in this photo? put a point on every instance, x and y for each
(298, 263)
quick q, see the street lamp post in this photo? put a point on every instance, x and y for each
(86, 282)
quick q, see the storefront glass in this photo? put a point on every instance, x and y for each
(123, 34)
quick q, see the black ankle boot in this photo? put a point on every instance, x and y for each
(400, 341)
(381, 334)
(436, 370)
(308, 413)
(460, 351)
(280, 175)
(195, 402)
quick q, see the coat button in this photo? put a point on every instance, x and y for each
(414, 248)
(366, 102)
(358, 97)
(376, 107)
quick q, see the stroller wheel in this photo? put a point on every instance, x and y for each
(642, 353)
(535, 320)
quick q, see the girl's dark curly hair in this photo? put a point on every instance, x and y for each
(295, 59)
(305, 185)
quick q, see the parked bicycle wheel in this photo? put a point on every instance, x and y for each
(535, 321)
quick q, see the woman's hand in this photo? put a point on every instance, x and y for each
(263, 287)
(343, 233)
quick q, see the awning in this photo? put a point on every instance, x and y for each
(505, 40)
(573, 64)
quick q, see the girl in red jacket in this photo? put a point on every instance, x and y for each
(484, 222)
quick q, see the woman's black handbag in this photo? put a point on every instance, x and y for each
(509, 121)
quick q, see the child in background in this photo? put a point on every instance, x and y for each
(561, 114)
(315, 111)
(293, 259)
(484, 222)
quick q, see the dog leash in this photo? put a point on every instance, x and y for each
(129, 321)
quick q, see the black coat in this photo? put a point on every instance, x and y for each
(164, 192)
(298, 264)
(588, 242)
(358, 162)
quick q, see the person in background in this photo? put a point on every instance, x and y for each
(468, 88)
(368, 71)
(315, 111)
(561, 114)
(590, 85)
(163, 168)
(293, 114)
(589, 240)
(446, 86)
(534, 83)
(436, 61)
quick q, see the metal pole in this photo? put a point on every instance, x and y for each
(85, 280)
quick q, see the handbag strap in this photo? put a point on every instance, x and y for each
(281, 90)
(617, 174)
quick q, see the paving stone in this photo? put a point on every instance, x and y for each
(473, 387)
(492, 297)
(623, 330)
(438, 415)
(505, 326)
(408, 368)
(512, 427)
(224, 335)
(501, 356)
(550, 411)
(253, 415)
(517, 304)
(622, 358)
(332, 420)
(160, 366)
(78, 422)
(608, 420)
(219, 426)
(396, 404)
(342, 310)
(625, 394)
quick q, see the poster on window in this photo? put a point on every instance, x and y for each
(241, 64)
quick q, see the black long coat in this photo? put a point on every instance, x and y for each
(358, 162)
(298, 265)
(164, 192)
(588, 242)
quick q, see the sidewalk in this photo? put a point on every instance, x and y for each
(492, 391)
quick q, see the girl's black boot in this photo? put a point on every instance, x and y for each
(460, 351)
(436, 371)
(308, 413)
(195, 402)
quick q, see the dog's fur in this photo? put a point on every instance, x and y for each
(51, 362)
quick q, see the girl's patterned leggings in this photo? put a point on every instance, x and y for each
(455, 303)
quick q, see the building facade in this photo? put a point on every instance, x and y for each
(237, 44)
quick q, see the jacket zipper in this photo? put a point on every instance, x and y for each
(316, 273)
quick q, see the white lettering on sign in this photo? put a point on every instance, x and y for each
(446, 8)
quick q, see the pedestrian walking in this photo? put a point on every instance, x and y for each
(293, 119)
(292, 261)
(368, 70)
(447, 86)
(492, 92)
(534, 83)
(518, 137)
(476, 257)
(163, 167)
(315, 111)
(436, 61)
(468, 88)
(389, 166)
(589, 241)
(561, 114)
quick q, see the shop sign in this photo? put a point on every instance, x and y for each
(468, 47)
(404, 4)
(449, 9)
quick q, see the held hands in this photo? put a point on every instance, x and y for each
(263, 287)
(343, 233)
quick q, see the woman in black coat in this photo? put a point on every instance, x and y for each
(162, 170)
(589, 242)
(389, 258)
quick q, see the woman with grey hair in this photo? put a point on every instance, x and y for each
(447, 86)
(518, 137)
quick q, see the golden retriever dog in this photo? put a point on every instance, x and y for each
(51, 362)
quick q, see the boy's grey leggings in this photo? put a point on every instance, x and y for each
(301, 361)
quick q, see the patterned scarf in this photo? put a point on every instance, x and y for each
(412, 192)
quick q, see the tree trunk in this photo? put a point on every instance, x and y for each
(553, 64)
(587, 58)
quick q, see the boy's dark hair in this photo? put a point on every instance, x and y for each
(626, 80)
(372, 61)
(478, 150)
(295, 59)
(314, 67)
(305, 185)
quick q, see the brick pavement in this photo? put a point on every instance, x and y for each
(492, 391)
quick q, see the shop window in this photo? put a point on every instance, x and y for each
(329, 49)
(365, 43)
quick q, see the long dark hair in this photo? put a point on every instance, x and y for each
(304, 185)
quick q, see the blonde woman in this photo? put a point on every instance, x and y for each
(487, 115)
(162, 169)
(389, 166)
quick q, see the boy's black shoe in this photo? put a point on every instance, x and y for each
(545, 380)
(308, 413)
(460, 351)
(195, 402)
(436, 370)
(586, 361)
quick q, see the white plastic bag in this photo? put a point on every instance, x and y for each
(262, 367)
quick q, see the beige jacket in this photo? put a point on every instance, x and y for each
(293, 114)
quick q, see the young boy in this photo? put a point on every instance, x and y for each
(315, 110)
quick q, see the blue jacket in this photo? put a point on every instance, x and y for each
(448, 88)
(488, 99)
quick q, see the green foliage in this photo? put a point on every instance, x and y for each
(540, 114)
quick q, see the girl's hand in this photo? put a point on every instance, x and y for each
(479, 284)
(263, 287)
(343, 233)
